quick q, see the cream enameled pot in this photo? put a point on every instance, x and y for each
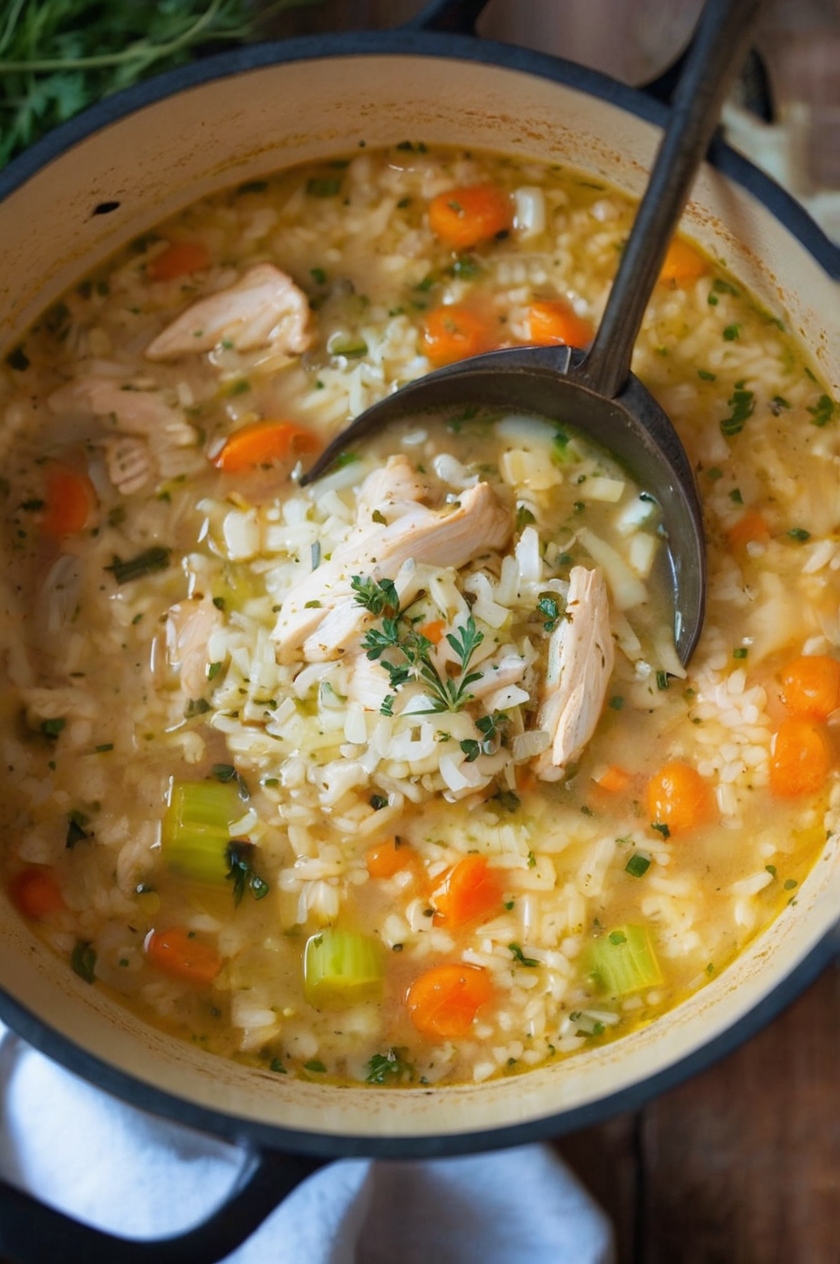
(111, 174)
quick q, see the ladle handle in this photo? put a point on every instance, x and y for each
(718, 49)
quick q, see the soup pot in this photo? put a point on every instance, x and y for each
(111, 174)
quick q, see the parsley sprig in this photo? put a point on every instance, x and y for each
(405, 653)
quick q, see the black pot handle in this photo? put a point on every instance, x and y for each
(31, 1232)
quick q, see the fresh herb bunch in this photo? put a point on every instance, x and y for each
(58, 56)
(409, 652)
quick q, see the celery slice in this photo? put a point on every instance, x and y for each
(341, 968)
(624, 962)
(196, 828)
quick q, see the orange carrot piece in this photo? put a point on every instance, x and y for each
(470, 891)
(677, 796)
(178, 259)
(464, 217)
(433, 631)
(455, 332)
(800, 758)
(175, 951)
(35, 893)
(615, 779)
(261, 443)
(442, 1002)
(811, 686)
(69, 503)
(556, 321)
(683, 264)
(750, 528)
(388, 857)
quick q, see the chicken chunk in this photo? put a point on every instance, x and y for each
(189, 626)
(580, 663)
(264, 308)
(131, 410)
(128, 463)
(450, 537)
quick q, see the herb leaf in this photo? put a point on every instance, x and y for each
(242, 874)
(145, 563)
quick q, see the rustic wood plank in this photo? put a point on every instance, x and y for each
(740, 1165)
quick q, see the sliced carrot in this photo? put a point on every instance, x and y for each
(35, 893)
(69, 503)
(679, 798)
(811, 686)
(750, 528)
(464, 217)
(800, 758)
(614, 779)
(443, 1002)
(470, 891)
(177, 952)
(433, 631)
(455, 332)
(683, 264)
(556, 321)
(262, 443)
(388, 857)
(178, 259)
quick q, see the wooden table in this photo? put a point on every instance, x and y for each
(740, 1165)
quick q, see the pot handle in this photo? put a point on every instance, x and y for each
(31, 1231)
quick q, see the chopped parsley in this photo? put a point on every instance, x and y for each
(389, 1068)
(742, 405)
(638, 865)
(823, 411)
(241, 872)
(520, 957)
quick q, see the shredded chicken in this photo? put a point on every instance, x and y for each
(189, 625)
(453, 536)
(128, 463)
(133, 411)
(264, 308)
(580, 663)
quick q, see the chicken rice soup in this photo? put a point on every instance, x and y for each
(397, 778)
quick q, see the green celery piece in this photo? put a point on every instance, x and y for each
(341, 968)
(196, 828)
(624, 961)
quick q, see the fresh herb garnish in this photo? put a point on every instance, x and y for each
(524, 517)
(241, 872)
(731, 333)
(405, 653)
(520, 957)
(638, 865)
(388, 1068)
(83, 960)
(52, 728)
(77, 829)
(742, 404)
(145, 563)
(823, 411)
(323, 186)
(549, 608)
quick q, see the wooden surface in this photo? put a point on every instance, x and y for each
(741, 1165)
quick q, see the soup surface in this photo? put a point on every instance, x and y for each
(397, 778)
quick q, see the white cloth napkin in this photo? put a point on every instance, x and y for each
(139, 1176)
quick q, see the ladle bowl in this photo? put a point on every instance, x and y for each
(594, 390)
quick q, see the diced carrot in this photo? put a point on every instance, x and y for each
(178, 259)
(800, 758)
(388, 857)
(177, 952)
(464, 217)
(443, 1002)
(614, 779)
(35, 893)
(556, 321)
(69, 502)
(470, 891)
(811, 686)
(454, 332)
(261, 443)
(683, 264)
(433, 631)
(750, 528)
(679, 798)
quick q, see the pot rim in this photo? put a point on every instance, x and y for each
(787, 211)
(270, 1137)
(782, 205)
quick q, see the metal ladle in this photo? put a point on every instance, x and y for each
(594, 390)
